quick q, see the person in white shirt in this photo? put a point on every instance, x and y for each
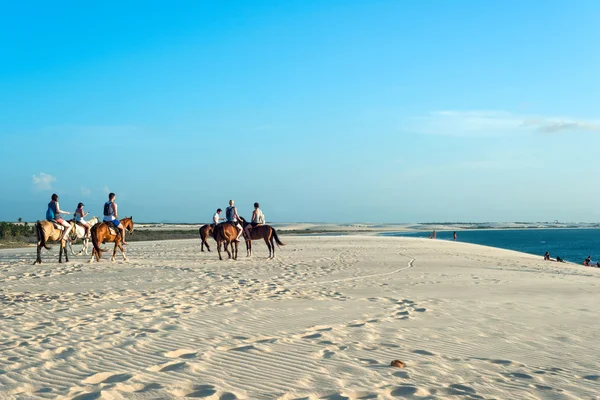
(216, 217)
(258, 218)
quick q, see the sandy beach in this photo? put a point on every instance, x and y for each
(321, 321)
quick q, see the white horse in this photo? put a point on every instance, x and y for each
(78, 232)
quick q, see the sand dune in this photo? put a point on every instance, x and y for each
(322, 321)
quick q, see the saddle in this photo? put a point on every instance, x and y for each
(56, 225)
(112, 228)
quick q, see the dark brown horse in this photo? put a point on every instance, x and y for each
(101, 233)
(226, 233)
(205, 231)
(266, 232)
(45, 231)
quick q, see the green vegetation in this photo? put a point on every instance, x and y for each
(16, 235)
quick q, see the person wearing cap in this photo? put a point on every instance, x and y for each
(79, 218)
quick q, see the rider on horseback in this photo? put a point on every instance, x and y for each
(217, 217)
(232, 216)
(53, 215)
(111, 214)
(79, 218)
(257, 218)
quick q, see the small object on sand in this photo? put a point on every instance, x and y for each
(397, 363)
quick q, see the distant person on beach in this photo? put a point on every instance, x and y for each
(454, 236)
(558, 259)
(79, 218)
(111, 214)
(587, 261)
(434, 235)
(598, 264)
(217, 217)
(232, 216)
(258, 218)
(547, 256)
(53, 213)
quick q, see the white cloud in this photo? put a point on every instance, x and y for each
(106, 190)
(495, 122)
(550, 126)
(43, 181)
(85, 191)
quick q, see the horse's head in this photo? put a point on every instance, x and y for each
(243, 221)
(128, 224)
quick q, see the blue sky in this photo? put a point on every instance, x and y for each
(339, 111)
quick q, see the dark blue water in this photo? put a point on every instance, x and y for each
(569, 244)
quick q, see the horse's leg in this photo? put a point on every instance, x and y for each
(227, 249)
(235, 250)
(273, 246)
(219, 250)
(206, 244)
(114, 250)
(122, 251)
(38, 259)
(66, 253)
(268, 245)
(60, 251)
(84, 246)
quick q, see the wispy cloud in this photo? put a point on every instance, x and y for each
(85, 191)
(551, 126)
(106, 190)
(43, 181)
(495, 122)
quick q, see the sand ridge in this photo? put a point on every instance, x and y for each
(322, 321)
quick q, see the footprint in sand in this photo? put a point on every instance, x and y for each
(107, 377)
(518, 375)
(423, 352)
(181, 353)
(595, 378)
(172, 366)
(313, 336)
(501, 362)
(403, 391)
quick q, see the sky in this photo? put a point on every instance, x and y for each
(323, 111)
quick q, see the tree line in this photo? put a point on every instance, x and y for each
(9, 230)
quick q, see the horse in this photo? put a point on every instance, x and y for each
(101, 233)
(262, 231)
(205, 231)
(226, 233)
(46, 231)
(78, 232)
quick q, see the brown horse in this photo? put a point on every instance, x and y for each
(226, 233)
(205, 231)
(266, 232)
(101, 233)
(45, 231)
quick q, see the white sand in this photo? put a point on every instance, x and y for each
(323, 320)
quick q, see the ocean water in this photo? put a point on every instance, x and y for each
(569, 244)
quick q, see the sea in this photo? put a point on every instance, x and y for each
(572, 245)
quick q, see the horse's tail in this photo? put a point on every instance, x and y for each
(279, 242)
(41, 238)
(95, 243)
